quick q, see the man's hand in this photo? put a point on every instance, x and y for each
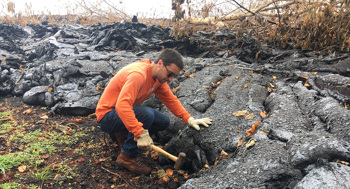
(194, 123)
(144, 141)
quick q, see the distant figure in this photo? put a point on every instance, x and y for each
(134, 19)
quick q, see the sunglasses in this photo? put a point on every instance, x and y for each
(170, 74)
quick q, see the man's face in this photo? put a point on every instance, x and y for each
(167, 73)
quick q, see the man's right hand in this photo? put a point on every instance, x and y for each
(144, 141)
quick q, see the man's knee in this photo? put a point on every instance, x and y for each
(145, 115)
(166, 122)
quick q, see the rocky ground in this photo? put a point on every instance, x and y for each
(95, 167)
(280, 116)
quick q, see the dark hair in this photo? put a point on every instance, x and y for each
(170, 56)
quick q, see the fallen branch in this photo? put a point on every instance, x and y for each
(131, 185)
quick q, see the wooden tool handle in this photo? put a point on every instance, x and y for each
(166, 154)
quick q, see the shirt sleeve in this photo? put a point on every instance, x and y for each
(125, 102)
(172, 102)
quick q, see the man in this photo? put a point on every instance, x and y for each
(118, 110)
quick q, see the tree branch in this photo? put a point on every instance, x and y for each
(269, 21)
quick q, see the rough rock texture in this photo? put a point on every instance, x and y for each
(301, 143)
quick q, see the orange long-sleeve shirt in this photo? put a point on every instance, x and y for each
(131, 86)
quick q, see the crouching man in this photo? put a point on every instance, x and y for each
(119, 112)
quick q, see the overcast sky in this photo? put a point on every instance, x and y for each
(151, 8)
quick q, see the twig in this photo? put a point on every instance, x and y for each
(6, 119)
(269, 21)
(131, 185)
(42, 184)
(117, 10)
(244, 7)
(278, 13)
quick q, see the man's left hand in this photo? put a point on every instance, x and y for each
(194, 123)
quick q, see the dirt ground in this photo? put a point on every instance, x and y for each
(93, 167)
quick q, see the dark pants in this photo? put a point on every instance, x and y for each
(152, 120)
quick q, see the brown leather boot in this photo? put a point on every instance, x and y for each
(133, 164)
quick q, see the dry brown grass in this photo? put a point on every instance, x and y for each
(84, 12)
(305, 24)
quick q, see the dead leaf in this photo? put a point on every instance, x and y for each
(250, 143)
(223, 155)
(176, 89)
(28, 111)
(249, 116)
(251, 130)
(66, 130)
(169, 172)
(92, 115)
(20, 67)
(212, 94)
(314, 73)
(180, 172)
(49, 89)
(206, 166)
(186, 175)
(56, 176)
(257, 54)
(81, 160)
(192, 75)
(44, 117)
(98, 88)
(161, 173)
(304, 76)
(343, 162)
(54, 166)
(347, 106)
(265, 132)
(165, 179)
(240, 143)
(22, 147)
(306, 84)
(270, 89)
(215, 84)
(263, 114)
(245, 86)
(22, 168)
(206, 87)
(154, 155)
(78, 121)
(274, 77)
(44, 156)
(240, 113)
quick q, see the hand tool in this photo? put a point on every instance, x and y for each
(178, 160)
